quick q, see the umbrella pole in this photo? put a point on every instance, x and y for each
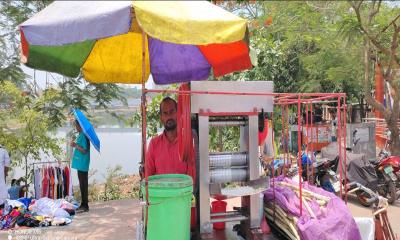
(144, 139)
(143, 110)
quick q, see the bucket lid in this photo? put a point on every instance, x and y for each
(170, 181)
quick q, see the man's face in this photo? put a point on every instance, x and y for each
(168, 115)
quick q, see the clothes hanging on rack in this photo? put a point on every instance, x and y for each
(60, 176)
(37, 182)
(65, 183)
(51, 185)
(45, 183)
(53, 182)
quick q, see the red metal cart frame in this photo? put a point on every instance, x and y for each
(285, 100)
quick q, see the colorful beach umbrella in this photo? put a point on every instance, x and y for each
(103, 40)
(87, 128)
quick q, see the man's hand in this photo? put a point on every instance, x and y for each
(73, 144)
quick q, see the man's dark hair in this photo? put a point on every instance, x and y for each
(14, 181)
(168, 99)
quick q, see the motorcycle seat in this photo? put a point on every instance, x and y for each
(374, 162)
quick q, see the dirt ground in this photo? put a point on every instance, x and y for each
(106, 220)
(117, 220)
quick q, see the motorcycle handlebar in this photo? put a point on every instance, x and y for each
(373, 200)
(351, 185)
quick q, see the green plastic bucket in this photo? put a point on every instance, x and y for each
(170, 198)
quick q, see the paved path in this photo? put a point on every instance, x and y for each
(114, 220)
(393, 213)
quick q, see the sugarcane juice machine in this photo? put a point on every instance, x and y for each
(216, 169)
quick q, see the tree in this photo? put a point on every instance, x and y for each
(29, 118)
(24, 131)
(69, 92)
(152, 113)
(13, 13)
(379, 25)
(297, 45)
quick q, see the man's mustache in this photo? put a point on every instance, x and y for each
(171, 120)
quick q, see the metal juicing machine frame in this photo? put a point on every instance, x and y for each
(216, 169)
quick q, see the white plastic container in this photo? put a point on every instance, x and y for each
(366, 227)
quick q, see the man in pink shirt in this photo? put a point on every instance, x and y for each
(162, 154)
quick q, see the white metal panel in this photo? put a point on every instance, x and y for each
(254, 172)
(363, 134)
(231, 103)
(204, 175)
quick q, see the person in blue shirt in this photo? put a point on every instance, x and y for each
(13, 191)
(80, 162)
(17, 191)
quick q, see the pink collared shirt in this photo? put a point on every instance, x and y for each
(162, 157)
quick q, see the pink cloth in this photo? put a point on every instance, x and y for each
(163, 158)
(14, 213)
(45, 183)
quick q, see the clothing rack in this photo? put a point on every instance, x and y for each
(35, 163)
(46, 162)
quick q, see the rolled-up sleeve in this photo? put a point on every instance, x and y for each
(150, 168)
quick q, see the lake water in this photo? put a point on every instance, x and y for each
(119, 146)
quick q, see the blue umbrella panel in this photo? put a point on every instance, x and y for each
(87, 128)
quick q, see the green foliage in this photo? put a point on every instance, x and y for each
(111, 189)
(378, 23)
(134, 194)
(55, 103)
(93, 189)
(13, 13)
(25, 132)
(152, 116)
(302, 49)
(104, 94)
(153, 123)
(48, 104)
(114, 188)
(224, 139)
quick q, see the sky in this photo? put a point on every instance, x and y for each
(394, 3)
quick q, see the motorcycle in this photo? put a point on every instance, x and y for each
(390, 165)
(357, 173)
(373, 177)
(321, 173)
(381, 176)
(326, 176)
